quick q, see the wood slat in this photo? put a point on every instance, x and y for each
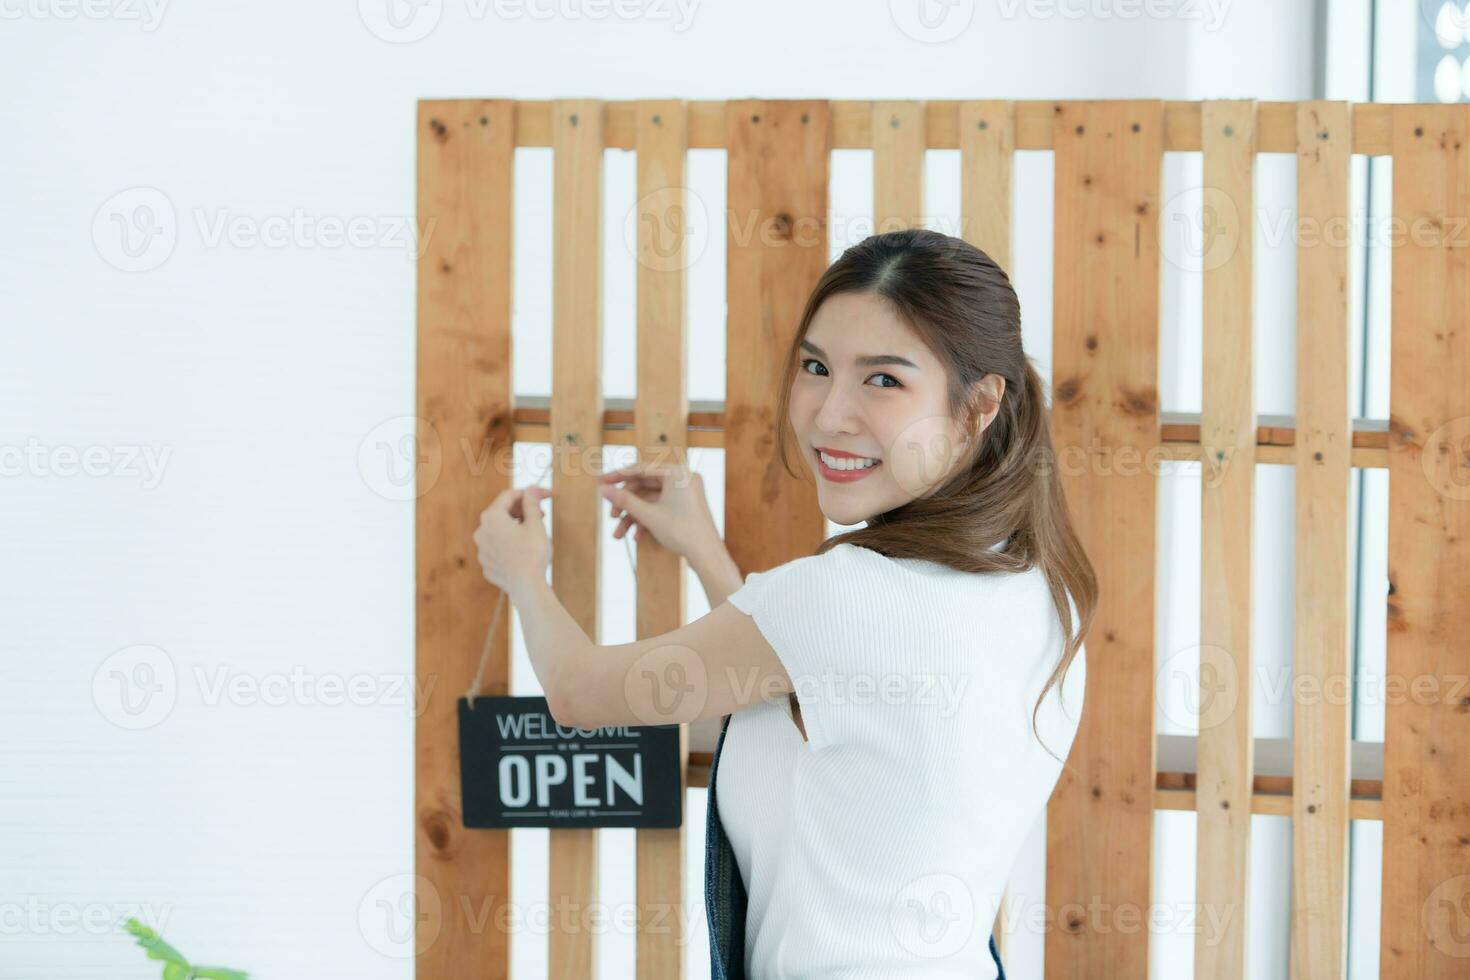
(1109, 158)
(662, 436)
(1321, 731)
(1227, 506)
(576, 434)
(987, 186)
(777, 182)
(987, 150)
(1426, 779)
(1265, 804)
(851, 122)
(898, 165)
(464, 404)
(1179, 436)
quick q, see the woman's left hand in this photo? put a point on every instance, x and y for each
(512, 538)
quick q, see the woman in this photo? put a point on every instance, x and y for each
(882, 767)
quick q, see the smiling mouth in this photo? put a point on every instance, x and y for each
(844, 469)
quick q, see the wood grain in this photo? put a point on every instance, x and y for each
(1426, 770)
(576, 433)
(662, 437)
(852, 125)
(1319, 826)
(1109, 158)
(987, 182)
(465, 174)
(775, 254)
(898, 166)
(1227, 506)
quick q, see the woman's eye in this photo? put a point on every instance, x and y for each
(821, 372)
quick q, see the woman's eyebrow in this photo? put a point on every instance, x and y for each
(867, 360)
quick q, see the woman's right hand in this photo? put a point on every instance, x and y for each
(664, 499)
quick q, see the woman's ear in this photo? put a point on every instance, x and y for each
(984, 403)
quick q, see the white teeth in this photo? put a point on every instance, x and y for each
(846, 462)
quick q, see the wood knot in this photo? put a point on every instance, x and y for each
(437, 831)
(1138, 401)
(1068, 391)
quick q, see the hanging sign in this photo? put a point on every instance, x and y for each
(519, 768)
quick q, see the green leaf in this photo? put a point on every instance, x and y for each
(176, 967)
(156, 947)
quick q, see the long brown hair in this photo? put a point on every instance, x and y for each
(962, 306)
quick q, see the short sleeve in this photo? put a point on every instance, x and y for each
(811, 612)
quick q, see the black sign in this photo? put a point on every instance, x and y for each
(519, 768)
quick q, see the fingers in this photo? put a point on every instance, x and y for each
(643, 472)
(511, 501)
(617, 497)
(529, 501)
(502, 504)
(627, 503)
(639, 482)
(624, 472)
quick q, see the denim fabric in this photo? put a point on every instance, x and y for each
(724, 891)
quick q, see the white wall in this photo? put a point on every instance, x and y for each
(241, 534)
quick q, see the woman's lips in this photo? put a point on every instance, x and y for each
(842, 476)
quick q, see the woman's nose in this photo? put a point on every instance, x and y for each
(837, 414)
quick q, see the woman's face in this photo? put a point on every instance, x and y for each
(872, 395)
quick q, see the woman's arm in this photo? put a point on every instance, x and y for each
(715, 665)
(556, 643)
(717, 571)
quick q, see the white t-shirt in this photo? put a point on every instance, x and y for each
(881, 847)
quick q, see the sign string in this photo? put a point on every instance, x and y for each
(474, 689)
